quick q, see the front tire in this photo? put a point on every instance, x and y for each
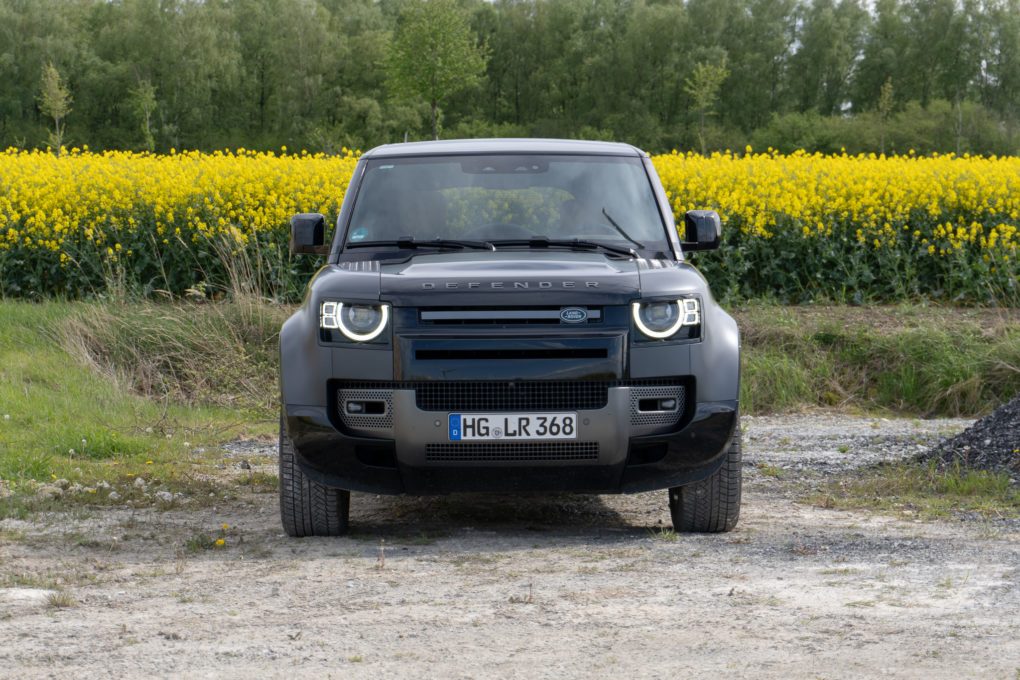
(308, 508)
(711, 505)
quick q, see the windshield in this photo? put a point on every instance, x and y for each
(506, 198)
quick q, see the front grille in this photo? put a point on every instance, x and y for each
(576, 395)
(501, 354)
(503, 316)
(500, 452)
(524, 395)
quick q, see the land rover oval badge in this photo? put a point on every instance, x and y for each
(573, 315)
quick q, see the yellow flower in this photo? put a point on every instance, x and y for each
(220, 543)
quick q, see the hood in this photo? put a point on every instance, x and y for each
(501, 278)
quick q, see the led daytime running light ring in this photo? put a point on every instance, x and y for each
(684, 313)
(384, 314)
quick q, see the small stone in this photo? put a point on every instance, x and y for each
(62, 483)
(49, 491)
(140, 482)
(244, 465)
(104, 485)
(164, 497)
(114, 496)
(75, 488)
(7, 416)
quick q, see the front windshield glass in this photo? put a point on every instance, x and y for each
(496, 198)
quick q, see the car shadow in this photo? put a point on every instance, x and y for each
(528, 518)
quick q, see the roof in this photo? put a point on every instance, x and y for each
(490, 146)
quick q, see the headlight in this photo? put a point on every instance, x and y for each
(360, 323)
(662, 319)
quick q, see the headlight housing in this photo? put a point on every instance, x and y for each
(358, 322)
(661, 319)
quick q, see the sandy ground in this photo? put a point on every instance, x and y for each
(542, 587)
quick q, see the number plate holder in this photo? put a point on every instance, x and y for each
(512, 426)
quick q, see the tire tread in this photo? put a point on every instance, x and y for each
(308, 508)
(711, 505)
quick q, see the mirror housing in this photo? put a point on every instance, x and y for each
(308, 234)
(703, 230)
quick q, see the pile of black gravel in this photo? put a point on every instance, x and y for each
(992, 443)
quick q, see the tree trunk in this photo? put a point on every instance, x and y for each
(701, 131)
(435, 119)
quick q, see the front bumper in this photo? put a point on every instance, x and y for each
(629, 458)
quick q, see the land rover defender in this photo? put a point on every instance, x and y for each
(508, 316)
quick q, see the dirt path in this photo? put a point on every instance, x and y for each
(563, 587)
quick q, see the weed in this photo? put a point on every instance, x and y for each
(664, 534)
(61, 599)
(199, 542)
(525, 599)
(769, 470)
(259, 482)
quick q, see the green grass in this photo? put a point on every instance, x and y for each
(60, 418)
(908, 360)
(922, 490)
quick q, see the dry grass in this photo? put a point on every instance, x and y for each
(222, 354)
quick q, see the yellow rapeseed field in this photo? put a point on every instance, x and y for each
(800, 226)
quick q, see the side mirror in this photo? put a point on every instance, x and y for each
(307, 234)
(703, 230)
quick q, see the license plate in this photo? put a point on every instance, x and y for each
(515, 426)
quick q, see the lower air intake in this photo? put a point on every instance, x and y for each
(511, 452)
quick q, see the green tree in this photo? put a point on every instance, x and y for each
(55, 103)
(703, 86)
(434, 54)
(831, 40)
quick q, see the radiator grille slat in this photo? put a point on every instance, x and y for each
(489, 452)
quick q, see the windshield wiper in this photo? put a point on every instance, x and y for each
(577, 244)
(618, 228)
(412, 243)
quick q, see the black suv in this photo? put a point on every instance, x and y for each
(508, 316)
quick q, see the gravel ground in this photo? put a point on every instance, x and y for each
(535, 587)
